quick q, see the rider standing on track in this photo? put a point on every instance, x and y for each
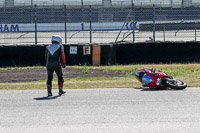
(55, 59)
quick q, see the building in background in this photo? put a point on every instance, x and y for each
(9, 3)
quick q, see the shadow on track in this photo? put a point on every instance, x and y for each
(47, 98)
(148, 89)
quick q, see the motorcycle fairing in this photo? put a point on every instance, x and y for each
(147, 79)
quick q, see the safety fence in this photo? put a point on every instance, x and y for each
(36, 24)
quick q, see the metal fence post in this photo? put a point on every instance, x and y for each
(65, 17)
(154, 25)
(164, 32)
(195, 31)
(31, 3)
(133, 21)
(35, 19)
(82, 11)
(90, 24)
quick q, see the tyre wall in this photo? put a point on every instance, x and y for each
(21, 55)
(27, 55)
(108, 54)
(78, 57)
(167, 52)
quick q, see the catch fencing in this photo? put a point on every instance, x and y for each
(35, 24)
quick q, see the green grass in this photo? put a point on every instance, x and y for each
(77, 83)
(189, 73)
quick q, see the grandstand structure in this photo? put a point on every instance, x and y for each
(105, 11)
(25, 21)
(161, 3)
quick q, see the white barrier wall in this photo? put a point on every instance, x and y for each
(48, 27)
(45, 27)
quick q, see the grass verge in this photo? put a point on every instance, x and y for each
(189, 73)
(77, 83)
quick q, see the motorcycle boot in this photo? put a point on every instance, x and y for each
(60, 85)
(61, 90)
(49, 93)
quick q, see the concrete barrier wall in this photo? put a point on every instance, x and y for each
(128, 53)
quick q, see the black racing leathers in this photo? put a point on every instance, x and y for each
(55, 58)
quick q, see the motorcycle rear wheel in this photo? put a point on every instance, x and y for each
(179, 85)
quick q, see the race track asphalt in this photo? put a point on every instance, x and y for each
(112, 110)
(83, 37)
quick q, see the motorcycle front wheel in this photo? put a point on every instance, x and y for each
(176, 84)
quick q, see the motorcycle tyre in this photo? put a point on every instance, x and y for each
(177, 87)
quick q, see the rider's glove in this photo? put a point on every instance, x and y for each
(63, 65)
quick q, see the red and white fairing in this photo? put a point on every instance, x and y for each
(150, 77)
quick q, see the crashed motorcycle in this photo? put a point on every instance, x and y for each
(155, 79)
